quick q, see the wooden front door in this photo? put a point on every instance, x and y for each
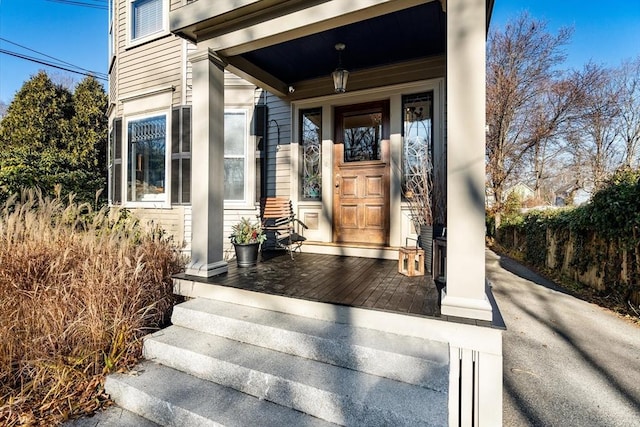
(361, 174)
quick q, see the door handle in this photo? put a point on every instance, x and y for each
(337, 181)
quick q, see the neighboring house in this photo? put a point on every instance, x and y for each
(182, 71)
(571, 195)
(522, 190)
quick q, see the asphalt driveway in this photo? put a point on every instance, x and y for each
(566, 362)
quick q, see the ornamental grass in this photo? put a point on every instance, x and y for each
(78, 290)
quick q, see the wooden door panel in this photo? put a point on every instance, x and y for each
(349, 216)
(374, 185)
(349, 187)
(374, 216)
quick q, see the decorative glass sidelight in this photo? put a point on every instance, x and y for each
(311, 146)
(418, 141)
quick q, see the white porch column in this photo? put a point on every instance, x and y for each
(465, 295)
(207, 165)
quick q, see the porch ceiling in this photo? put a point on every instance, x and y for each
(387, 34)
(405, 35)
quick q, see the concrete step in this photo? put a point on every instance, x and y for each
(172, 398)
(332, 393)
(407, 359)
(113, 416)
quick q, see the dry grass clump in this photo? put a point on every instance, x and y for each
(78, 289)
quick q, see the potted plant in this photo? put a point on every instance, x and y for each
(246, 237)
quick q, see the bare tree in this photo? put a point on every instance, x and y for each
(628, 80)
(595, 136)
(522, 76)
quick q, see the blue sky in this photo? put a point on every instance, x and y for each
(74, 34)
(605, 32)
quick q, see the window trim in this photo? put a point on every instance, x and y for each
(166, 202)
(131, 41)
(114, 161)
(249, 159)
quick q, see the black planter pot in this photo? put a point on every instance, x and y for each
(247, 254)
(426, 243)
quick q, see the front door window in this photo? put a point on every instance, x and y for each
(362, 136)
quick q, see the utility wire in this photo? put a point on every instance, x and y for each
(59, 61)
(49, 64)
(81, 3)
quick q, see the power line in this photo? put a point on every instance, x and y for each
(59, 61)
(49, 64)
(99, 5)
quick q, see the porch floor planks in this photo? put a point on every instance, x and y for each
(351, 281)
(365, 278)
(358, 295)
(352, 268)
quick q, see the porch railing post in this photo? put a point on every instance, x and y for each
(207, 200)
(464, 295)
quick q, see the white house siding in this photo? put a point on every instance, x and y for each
(172, 221)
(188, 229)
(156, 64)
(283, 171)
(188, 69)
(113, 87)
(147, 66)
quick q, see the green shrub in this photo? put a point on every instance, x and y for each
(604, 235)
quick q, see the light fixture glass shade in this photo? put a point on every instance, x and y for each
(340, 76)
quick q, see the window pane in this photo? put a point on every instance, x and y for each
(311, 139)
(234, 179)
(147, 17)
(235, 151)
(362, 135)
(146, 160)
(234, 133)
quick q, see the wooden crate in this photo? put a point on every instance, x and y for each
(411, 261)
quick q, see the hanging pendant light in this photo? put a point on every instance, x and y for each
(340, 75)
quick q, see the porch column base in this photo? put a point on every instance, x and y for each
(207, 270)
(470, 308)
